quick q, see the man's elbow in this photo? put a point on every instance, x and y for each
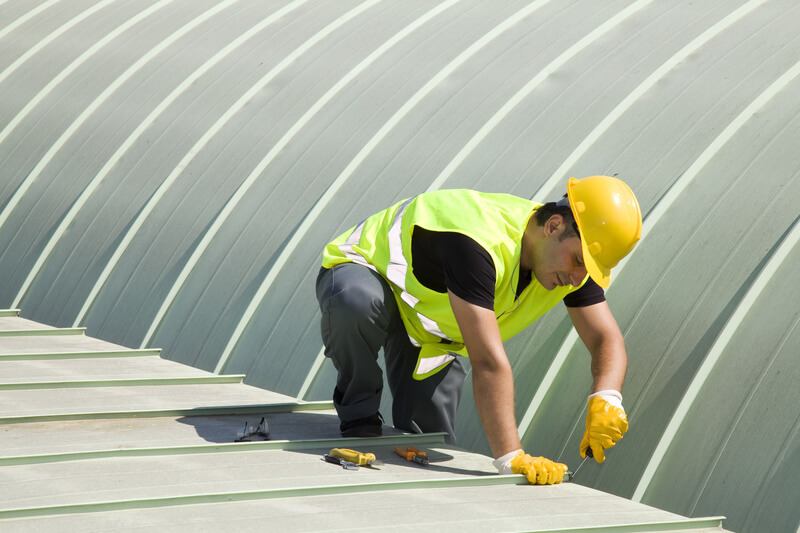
(488, 363)
(613, 342)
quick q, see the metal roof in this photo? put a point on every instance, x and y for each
(171, 170)
(103, 437)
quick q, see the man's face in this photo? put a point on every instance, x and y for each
(558, 262)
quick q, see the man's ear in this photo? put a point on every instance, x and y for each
(554, 225)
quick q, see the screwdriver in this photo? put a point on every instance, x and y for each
(356, 457)
(589, 453)
(347, 465)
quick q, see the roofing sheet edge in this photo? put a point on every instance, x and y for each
(219, 497)
(80, 355)
(282, 445)
(692, 524)
(41, 332)
(136, 382)
(194, 411)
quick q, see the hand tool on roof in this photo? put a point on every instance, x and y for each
(252, 430)
(413, 454)
(347, 465)
(356, 457)
(589, 453)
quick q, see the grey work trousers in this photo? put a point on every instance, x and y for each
(359, 317)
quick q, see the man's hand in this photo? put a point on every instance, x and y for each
(538, 470)
(606, 422)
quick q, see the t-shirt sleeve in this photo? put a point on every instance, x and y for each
(449, 260)
(469, 271)
(591, 293)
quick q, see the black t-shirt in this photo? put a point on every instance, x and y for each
(447, 260)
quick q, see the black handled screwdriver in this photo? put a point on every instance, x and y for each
(589, 453)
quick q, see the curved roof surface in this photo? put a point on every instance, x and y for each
(172, 169)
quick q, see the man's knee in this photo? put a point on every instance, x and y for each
(358, 300)
(357, 293)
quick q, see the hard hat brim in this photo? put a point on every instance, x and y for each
(600, 274)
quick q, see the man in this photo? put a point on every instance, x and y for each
(455, 273)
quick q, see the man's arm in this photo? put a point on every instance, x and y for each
(492, 379)
(606, 421)
(493, 388)
(600, 333)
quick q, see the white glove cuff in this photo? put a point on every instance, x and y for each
(503, 464)
(611, 396)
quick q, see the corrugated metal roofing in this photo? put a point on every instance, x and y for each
(148, 444)
(171, 170)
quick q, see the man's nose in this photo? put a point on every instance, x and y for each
(577, 276)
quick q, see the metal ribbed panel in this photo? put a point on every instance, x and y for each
(756, 373)
(176, 451)
(172, 169)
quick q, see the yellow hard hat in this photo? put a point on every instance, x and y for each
(609, 221)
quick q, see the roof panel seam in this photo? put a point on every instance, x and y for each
(178, 170)
(309, 219)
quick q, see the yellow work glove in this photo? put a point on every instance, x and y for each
(605, 423)
(538, 470)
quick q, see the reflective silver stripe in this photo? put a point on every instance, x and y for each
(408, 298)
(427, 364)
(347, 247)
(432, 327)
(397, 269)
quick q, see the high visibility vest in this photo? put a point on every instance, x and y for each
(495, 221)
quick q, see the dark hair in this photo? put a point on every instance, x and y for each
(549, 209)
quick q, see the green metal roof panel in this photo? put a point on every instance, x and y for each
(127, 473)
(172, 169)
(757, 372)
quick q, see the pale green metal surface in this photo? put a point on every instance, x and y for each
(88, 468)
(425, 439)
(232, 378)
(78, 355)
(41, 332)
(303, 492)
(167, 412)
(696, 524)
(172, 170)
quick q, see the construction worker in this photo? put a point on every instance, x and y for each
(455, 273)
